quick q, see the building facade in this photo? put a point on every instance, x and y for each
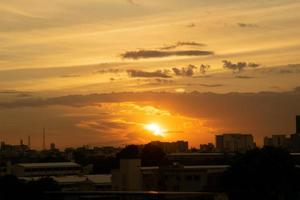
(172, 147)
(167, 178)
(46, 169)
(277, 141)
(234, 142)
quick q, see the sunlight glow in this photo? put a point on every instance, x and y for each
(155, 129)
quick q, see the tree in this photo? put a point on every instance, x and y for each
(268, 173)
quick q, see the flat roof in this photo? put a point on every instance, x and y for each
(190, 167)
(200, 154)
(94, 178)
(99, 178)
(52, 164)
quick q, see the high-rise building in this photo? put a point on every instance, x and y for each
(295, 138)
(52, 147)
(234, 142)
(277, 141)
(298, 124)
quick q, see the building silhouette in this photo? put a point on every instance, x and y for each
(298, 124)
(277, 141)
(172, 147)
(234, 142)
(292, 142)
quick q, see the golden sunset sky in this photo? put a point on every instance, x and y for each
(99, 71)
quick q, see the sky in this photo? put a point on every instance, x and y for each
(98, 72)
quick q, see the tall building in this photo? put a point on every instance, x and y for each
(53, 147)
(277, 141)
(298, 124)
(295, 138)
(234, 142)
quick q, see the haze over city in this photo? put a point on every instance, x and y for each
(117, 72)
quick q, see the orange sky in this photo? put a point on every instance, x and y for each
(52, 49)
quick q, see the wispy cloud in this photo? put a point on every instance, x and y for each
(247, 25)
(180, 44)
(146, 74)
(144, 54)
(244, 77)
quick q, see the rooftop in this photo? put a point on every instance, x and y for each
(191, 167)
(52, 164)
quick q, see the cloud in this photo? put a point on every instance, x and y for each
(191, 25)
(144, 54)
(112, 71)
(102, 125)
(185, 71)
(243, 112)
(211, 85)
(204, 68)
(180, 44)
(239, 66)
(247, 25)
(244, 77)
(20, 94)
(145, 74)
(9, 92)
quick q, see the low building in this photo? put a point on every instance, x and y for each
(207, 148)
(216, 158)
(46, 169)
(172, 147)
(167, 178)
(97, 182)
(234, 142)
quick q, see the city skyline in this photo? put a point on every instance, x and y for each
(226, 142)
(114, 72)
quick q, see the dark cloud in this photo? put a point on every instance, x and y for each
(191, 25)
(106, 71)
(155, 82)
(247, 25)
(239, 66)
(185, 71)
(9, 92)
(204, 68)
(180, 44)
(145, 74)
(244, 77)
(257, 113)
(144, 54)
(206, 85)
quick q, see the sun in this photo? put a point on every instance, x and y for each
(155, 129)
